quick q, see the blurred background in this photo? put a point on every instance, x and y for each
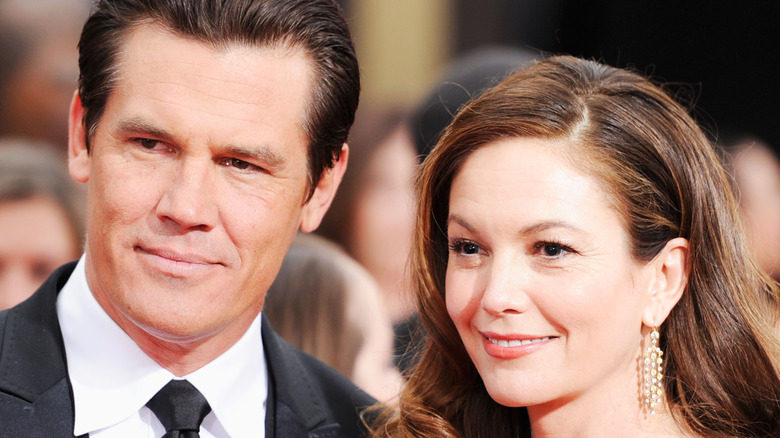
(723, 54)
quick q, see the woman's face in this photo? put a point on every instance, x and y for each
(540, 283)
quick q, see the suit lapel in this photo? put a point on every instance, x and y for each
(32, 364)
(43, 398)
(296, 410)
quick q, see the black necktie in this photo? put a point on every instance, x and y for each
(180, 407)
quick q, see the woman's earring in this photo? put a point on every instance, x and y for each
(653, 370)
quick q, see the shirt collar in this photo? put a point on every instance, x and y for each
(112, 378)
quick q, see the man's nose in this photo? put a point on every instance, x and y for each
(188, 199)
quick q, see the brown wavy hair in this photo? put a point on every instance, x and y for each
(665, 181)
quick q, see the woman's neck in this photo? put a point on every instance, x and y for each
(602, 413)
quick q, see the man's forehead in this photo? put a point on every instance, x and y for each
(150, 42)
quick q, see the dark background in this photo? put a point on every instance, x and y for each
(720, 55)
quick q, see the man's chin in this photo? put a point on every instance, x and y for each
(179, 330)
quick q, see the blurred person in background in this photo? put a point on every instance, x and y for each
(38, 68)
(463, 80)
(328, 305)
(41, 225)
(755, 168)
(372, 214)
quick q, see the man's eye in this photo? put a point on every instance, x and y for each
(238, 164)
(147, 143)
(552, 249)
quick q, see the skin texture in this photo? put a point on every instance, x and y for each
(538, 255)
(35, 238)
(757, 171)
(197, 185)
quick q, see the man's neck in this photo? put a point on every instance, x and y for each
(181, 355)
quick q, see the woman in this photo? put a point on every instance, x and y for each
(372, 214)
(572, 222)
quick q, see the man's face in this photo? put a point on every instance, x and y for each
(198, 183)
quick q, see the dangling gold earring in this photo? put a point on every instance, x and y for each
(653, 372)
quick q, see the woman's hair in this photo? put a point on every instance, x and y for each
(307, 304)
(665, 181)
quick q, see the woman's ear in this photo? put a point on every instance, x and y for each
(320, 201)
(669, 271)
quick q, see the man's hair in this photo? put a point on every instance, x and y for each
(315, 26)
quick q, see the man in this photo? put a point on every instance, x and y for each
(209, 132)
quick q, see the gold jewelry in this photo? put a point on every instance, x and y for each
(653, 390)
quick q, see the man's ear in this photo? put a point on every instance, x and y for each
(669, 275)
(78, 156)
(316, 207)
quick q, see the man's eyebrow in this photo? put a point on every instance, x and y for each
(139, 125)
(260, 153)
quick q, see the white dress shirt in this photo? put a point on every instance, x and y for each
(113, 378)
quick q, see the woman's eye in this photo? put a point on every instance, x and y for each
(553, 250)
(465, 247)
(469, 248)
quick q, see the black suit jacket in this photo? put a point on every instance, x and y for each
(306, 398)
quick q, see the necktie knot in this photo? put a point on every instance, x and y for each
(180, 407)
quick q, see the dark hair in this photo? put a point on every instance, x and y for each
(463, 80)
(665, 181)
(315, 26)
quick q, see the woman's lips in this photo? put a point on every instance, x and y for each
(516, 342)
(513, 346)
